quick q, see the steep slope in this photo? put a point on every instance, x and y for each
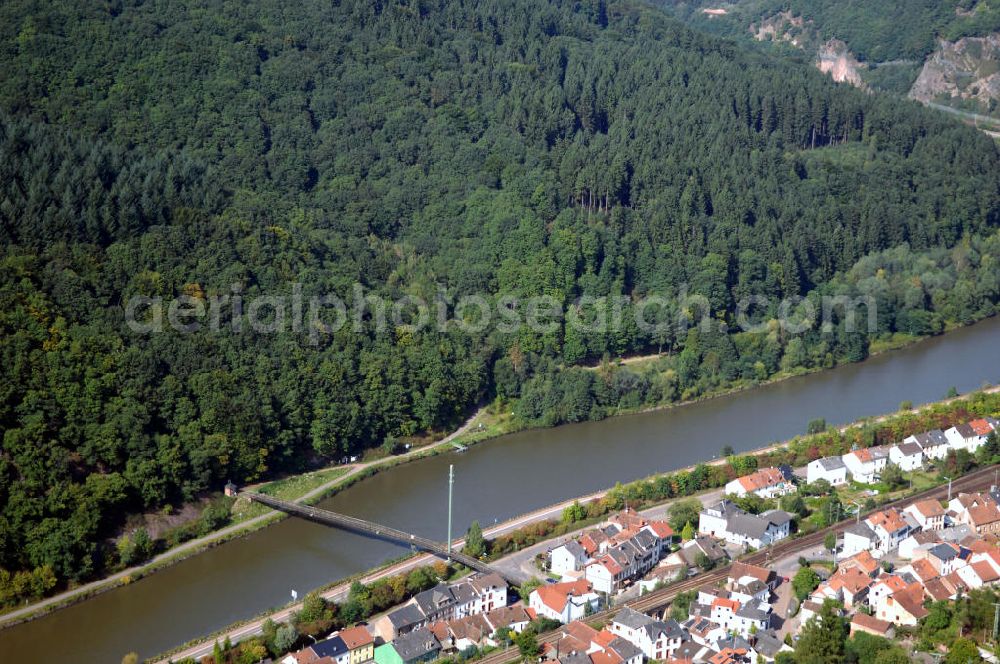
(433, 150)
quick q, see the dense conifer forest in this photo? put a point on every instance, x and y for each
(419, 147)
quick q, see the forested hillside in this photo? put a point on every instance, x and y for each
(882, 31)
(508, 148)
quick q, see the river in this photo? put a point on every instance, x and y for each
(493, 481)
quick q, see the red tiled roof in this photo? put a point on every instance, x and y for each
(870, 623)
(610, 563)
(605, 657)
(863, 560)
(555, 595)
(923, 569)
(356, 637)
(732, 604)
(889, 520)
(985, 571)
(741, 569)
(981, 427)
(661, 528)
(928, 508)
(893, 582)
(762, 479)
(581, 631)
(852, 579)
(911, 599)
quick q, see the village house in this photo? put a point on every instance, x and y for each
(567, 557)
(928, 514)
(766, 483)
(831, 469)
(908, 456)
(944, 557)
(862, 622)
(901, 607)
(848, 586)
(969, 436)
(880, 533)
(360, 643)
(866, 465)
(978, 574)
(564, 602)
(477, 594)
(863, 561)
(725, 520)
(417, 646)
(700, 545)
(657, 639)
(514, 618)
(933, 443)
(977, 510)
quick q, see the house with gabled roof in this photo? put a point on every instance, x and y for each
(908, 456)
(933, 443)
(569, 556)
(831, 469)
(902, 607)
(863, 560)
(979, 511)
(862, 622)
(928, 513)
(657, 639)
(727, 521)
(978, 574)
(564, 602)
(765, 482)
(866, 464)
(969, 436)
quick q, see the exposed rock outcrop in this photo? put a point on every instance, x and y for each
(966, 69)
(837, 60)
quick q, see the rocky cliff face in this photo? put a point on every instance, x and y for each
(966, 69)
(837, 60)
(832, 57)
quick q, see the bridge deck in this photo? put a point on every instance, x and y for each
(370, 529)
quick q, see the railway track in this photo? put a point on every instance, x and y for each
(660, 599)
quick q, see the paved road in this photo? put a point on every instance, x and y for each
(193, 545)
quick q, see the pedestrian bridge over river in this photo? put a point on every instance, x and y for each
(370, 529)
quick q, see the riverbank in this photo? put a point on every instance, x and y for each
(241, 527)
(337, 590)
(495, 421)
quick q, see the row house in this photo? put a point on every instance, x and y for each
(479, 593)
(629, 560)
(933, 443)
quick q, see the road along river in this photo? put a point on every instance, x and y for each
(493, 481)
